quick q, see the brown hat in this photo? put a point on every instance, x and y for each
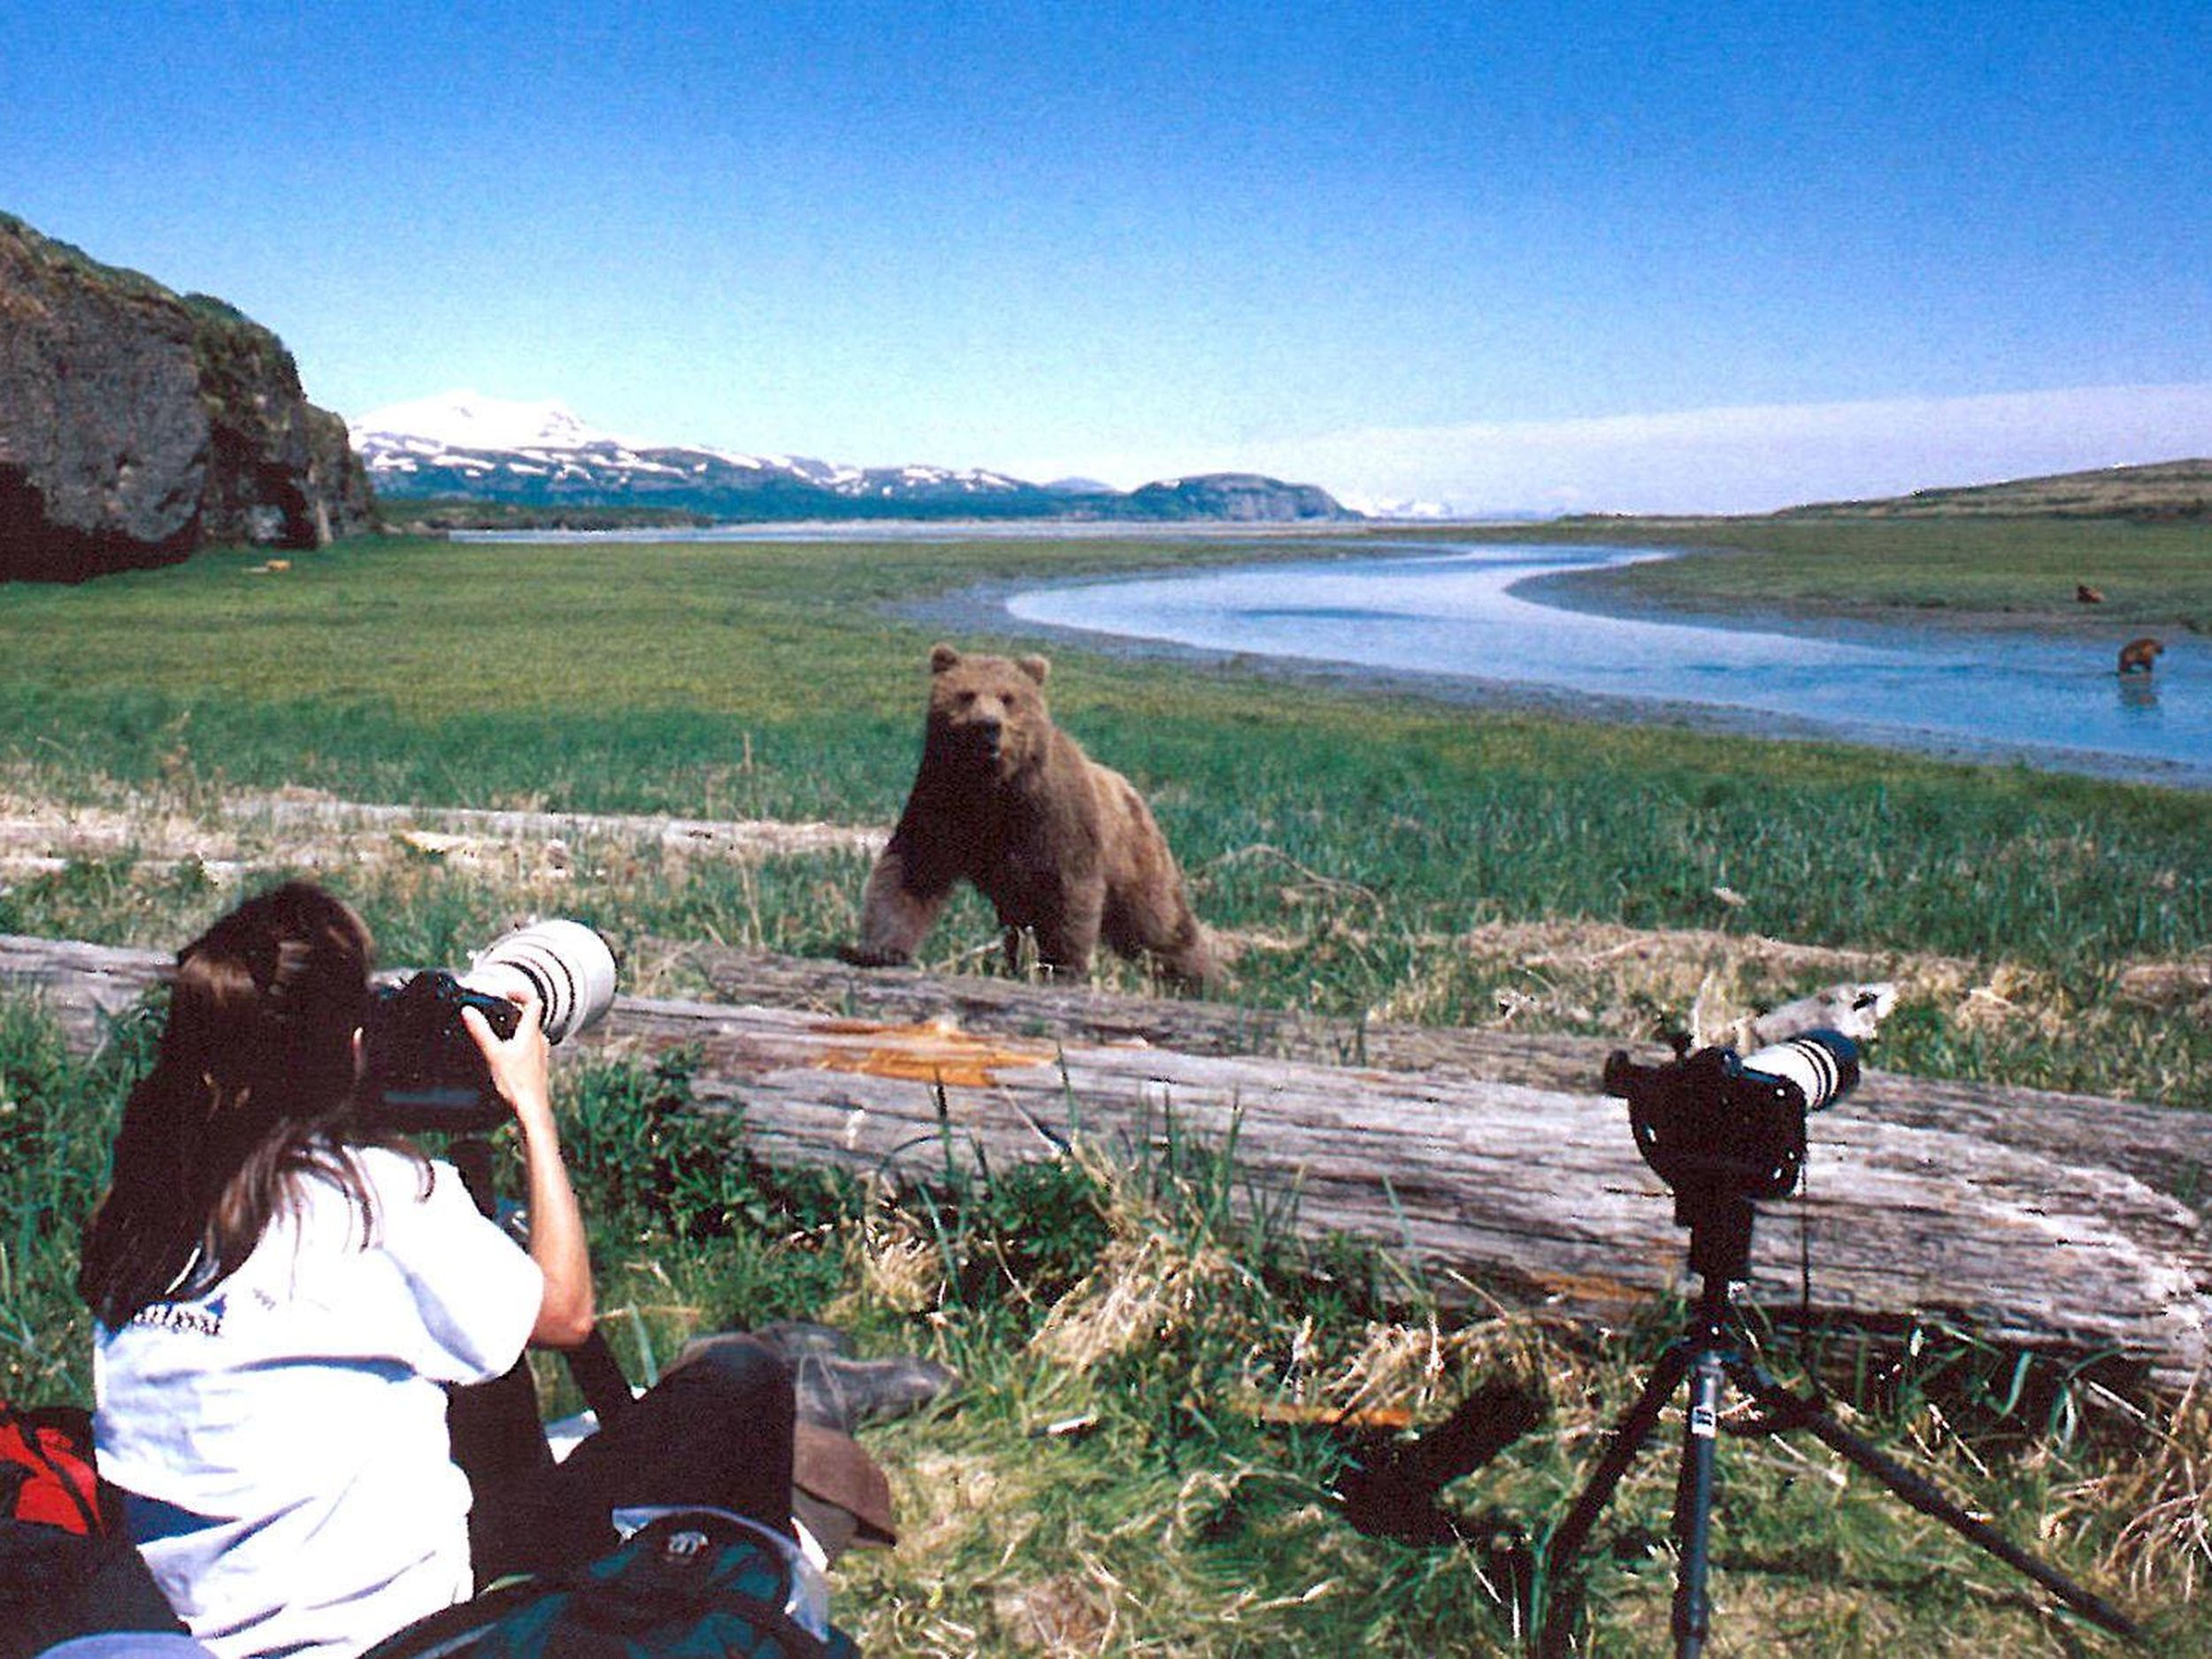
(834, 1470)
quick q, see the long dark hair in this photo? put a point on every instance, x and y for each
(251, 1092)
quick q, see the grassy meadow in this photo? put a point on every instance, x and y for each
(1365, 856)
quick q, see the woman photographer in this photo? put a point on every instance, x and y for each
(280, 1293)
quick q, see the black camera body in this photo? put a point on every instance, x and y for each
(424, 1072)
(1724, 1129)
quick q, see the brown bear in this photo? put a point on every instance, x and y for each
(1063, 846)
(2140, 655)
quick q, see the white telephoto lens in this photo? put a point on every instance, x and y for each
(568, 966)
(1823, 1065)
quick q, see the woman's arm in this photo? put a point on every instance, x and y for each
(519, 1066)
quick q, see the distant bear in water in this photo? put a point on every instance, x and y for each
(2087, 595)
(2140, 655)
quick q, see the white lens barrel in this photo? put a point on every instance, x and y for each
(568, 966)
(1823, 1065)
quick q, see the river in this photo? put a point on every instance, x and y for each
(1477, 614)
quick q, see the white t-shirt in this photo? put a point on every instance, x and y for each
(293, 1415)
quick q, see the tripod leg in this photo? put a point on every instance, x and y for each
(1630, 1432)
(1694, 1506)
(1791, 1411)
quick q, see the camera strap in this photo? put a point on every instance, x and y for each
(1805, 1284)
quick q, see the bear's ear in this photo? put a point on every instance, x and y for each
(1036, 667)
(941, 657)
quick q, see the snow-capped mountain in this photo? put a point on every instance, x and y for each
(1378, 507)
(486, 448)
(468, 420)
(542, 454)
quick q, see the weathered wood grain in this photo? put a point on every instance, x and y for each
(1488, 1161)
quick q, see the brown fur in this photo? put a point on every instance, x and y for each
(2087, 595)
(1063, 847)
(2140, 655)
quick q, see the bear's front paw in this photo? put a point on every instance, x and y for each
(861, 956)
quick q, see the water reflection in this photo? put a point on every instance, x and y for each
(2139, 696)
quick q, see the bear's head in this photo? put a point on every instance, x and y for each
(987, 714)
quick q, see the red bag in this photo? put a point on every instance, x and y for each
(46, 1470)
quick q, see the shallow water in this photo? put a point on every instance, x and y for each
(1472, 613)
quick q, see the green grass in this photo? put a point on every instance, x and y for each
(56, 1122)
(1383, 857)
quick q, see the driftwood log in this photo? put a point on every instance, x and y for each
(1487, 1161)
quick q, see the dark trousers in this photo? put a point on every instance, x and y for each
(715, 1430)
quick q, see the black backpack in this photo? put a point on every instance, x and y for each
(690, 1585)
(62, 1574)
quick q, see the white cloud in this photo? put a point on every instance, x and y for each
(1752, 459)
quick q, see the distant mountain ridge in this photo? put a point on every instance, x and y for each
(517, 453)
(2161, 489)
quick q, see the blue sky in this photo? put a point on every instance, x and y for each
(1512, 256)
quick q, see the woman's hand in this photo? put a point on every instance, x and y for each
(520, 1065)
(520, 1068)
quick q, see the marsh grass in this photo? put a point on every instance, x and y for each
(1391, 868)
(1370, 859)
(729, 680)
(56, 1122)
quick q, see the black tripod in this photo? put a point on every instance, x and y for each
(1708, 1354)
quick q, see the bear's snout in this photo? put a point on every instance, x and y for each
(984, 737)
(975, 739)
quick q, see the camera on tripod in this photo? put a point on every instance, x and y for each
(1724, 1130)
(422, 1068)
(1715, 1117)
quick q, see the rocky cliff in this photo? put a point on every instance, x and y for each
(137, 426)
(1238, 497)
